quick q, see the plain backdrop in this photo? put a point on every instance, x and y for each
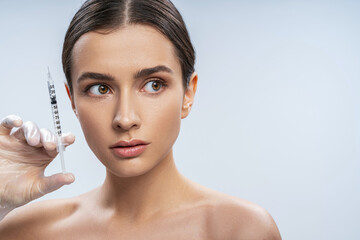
(276, 118)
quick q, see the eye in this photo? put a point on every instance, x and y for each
(99, 89)
(153, 86)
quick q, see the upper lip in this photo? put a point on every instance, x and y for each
(132, 142)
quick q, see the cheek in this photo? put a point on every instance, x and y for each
(163, 121)
(94, 120)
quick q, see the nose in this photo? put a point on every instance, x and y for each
(126, 113)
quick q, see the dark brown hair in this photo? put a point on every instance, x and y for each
(112, 14)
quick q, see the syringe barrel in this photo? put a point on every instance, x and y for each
(55, 113)
(54, 108)
(56, 119)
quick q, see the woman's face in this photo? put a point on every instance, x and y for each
(127, 85)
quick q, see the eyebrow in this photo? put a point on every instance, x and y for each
(140, 74)
(96, 76)
(148, 71)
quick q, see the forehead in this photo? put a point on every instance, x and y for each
(127, 48)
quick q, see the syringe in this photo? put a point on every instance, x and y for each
(55, 113)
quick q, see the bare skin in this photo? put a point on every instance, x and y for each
(144, 197)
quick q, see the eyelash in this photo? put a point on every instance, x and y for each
(162, 82)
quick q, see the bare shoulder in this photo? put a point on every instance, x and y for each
(234, 218)
(36, 218)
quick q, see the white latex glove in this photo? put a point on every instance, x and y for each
(24, 155)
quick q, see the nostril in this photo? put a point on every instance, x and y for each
(125, 124)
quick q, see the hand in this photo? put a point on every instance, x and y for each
(24, 155)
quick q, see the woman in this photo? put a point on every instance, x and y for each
(130, 72)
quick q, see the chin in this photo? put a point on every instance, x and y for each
(132, 167)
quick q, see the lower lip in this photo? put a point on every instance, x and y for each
(126, 152)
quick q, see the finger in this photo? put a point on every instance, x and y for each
(48, 139)
(8, 123)
(31, 134)
(54, 182)
(19, 134)
(67, 139)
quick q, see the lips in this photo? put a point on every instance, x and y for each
(127, 149)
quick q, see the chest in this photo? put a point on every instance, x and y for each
(186, 225)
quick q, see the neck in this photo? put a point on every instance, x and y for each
(141, 197)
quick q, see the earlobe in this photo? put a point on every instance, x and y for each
(189, 96)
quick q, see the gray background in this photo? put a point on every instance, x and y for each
(276, 115)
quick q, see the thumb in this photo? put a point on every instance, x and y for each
(54, 182)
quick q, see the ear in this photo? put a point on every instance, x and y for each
(189, 96)
(71, 99)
